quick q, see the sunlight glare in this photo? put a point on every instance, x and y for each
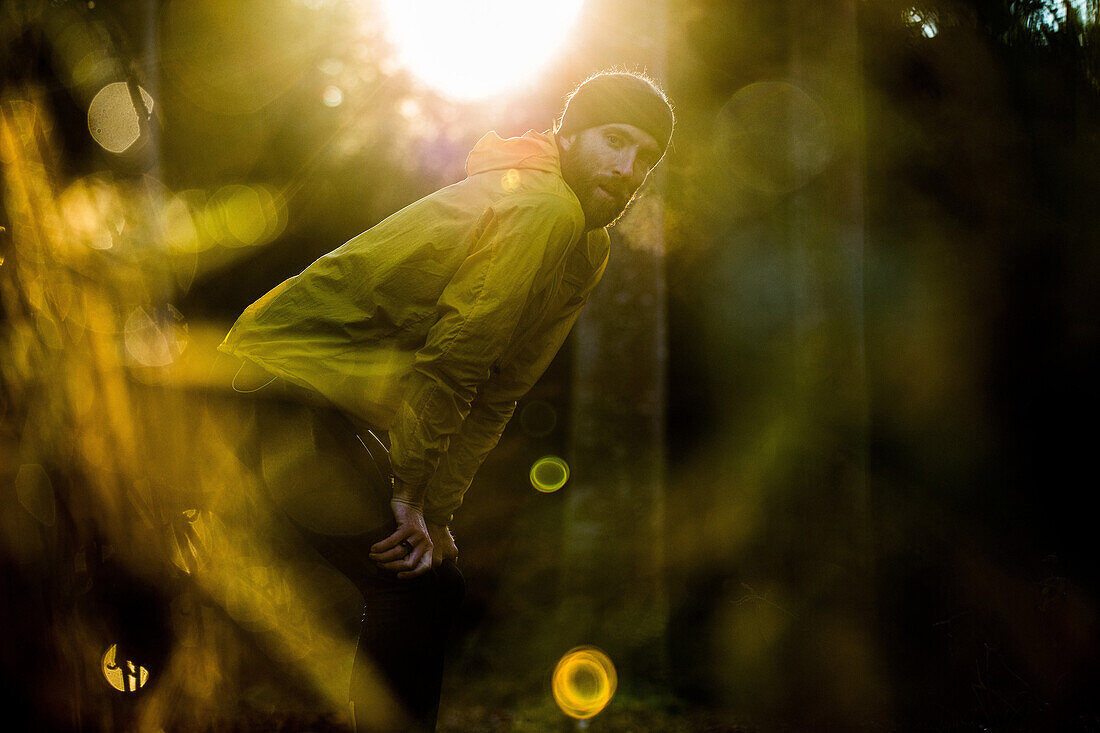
(467, 50)
(583, 682)
(549, 473)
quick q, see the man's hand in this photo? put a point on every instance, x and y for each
(443, 544)
(409, 549)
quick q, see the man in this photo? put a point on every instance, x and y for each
(429, 327)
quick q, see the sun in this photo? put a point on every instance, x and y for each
(469, 49)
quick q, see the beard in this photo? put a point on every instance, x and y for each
(603, 198)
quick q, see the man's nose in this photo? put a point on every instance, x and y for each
(624, 166)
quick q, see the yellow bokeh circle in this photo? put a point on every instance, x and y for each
(122, 674)
(549, 473)
(584, 682)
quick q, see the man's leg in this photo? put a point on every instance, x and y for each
(405, 623)
(403, 636)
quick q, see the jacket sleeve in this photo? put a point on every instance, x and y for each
(494, 406)
(479, 309)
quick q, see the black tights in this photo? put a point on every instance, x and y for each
(330, 486)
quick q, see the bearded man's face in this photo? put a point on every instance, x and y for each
(605, 165)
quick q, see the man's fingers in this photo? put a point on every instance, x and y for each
(402, 563)
(397, 553)
(422, 567)
(394, 540)
(406, 554)
(408, 562)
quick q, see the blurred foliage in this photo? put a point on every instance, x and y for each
(974, 136)
(881, 247)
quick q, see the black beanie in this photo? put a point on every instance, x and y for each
(610, 97)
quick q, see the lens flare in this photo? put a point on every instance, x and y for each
(538, 418)
(510, 180)
(112, 119)
(773, 137)
(93, 208)
(332, 96)
(584, 682)
(154, 339)
(124, 676)
(242, 215)
(549, 473)
(178, 227)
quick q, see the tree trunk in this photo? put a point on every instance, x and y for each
(614, 584)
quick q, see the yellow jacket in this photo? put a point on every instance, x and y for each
(435, 321)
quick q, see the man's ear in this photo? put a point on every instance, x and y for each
(566, 141)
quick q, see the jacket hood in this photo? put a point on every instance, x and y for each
(532, 151)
